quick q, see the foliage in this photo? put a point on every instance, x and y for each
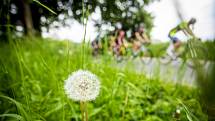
(129, 14)
(210, 44)
(12, 13)
(32, 77)
(206, 82)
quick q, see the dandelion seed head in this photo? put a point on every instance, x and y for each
(82, 85)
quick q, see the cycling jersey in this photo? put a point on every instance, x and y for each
(181, 26)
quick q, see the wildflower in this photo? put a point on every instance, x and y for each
(82, 85)
(178, 111)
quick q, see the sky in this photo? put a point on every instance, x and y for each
(165, 19)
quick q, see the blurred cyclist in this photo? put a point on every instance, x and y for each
(139, 38)
(96, 46)
(185, 27)
(120, 43)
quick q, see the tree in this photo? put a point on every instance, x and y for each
(27, 13)
(27, 16)
(128, 13)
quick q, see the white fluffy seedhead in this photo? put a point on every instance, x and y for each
(82, 85)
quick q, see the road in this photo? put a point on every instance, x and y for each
(175, 71)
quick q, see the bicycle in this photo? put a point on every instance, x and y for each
(192, 53)
(144, 53)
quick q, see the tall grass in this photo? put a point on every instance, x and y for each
(32, 76)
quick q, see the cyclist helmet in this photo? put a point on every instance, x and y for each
(192, 21)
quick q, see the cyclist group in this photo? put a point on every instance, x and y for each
(136, 44)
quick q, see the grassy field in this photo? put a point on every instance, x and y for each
(32, 75)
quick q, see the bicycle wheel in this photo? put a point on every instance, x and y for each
(163, 57)
(196, 56)
(147, 56)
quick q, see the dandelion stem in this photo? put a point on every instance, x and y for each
(82, 110)
(86, 112)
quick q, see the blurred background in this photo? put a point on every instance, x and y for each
(162, 15)
(145, 73)
(165, 17)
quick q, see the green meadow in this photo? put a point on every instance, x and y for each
(32, 75)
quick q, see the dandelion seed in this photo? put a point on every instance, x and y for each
(82, 85)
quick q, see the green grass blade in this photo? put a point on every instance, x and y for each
(46, 7)
(19, 107)
(189, 114)
(16, 116)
